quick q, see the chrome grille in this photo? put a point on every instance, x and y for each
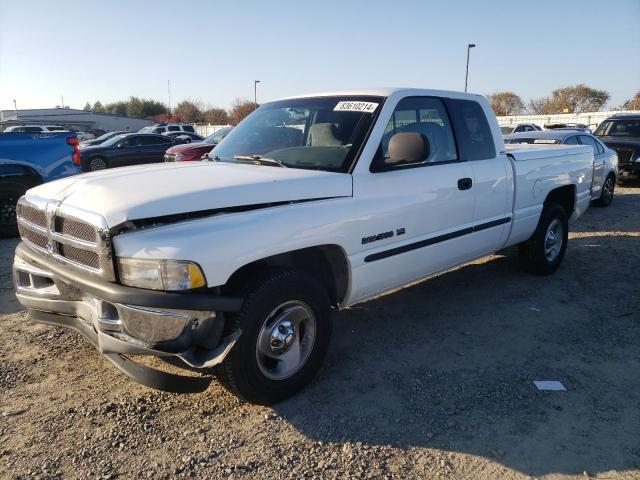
(69, 235)
(33, 237)
(75, 229)
(624, 155)
(83, 257)
(32, 215)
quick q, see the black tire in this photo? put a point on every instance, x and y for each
(96, 163)
(243, 370)
(535, 256)
(10, 193)
(606, 197)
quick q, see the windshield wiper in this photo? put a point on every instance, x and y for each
(260, 159)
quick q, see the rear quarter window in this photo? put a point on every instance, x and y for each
(474, 137)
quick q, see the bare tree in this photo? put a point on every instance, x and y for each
(539, 106)
(506, 103)
(216, 116)
(240, 109)
(574, 99)
(632, 103)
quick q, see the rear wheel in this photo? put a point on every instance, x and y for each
(97, 163)
(286, 326)
(606, 196)
(544, 251)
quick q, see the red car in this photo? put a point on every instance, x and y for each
(194, 151)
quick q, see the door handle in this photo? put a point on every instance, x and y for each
(465, 183)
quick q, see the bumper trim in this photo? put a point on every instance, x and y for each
(148, 376)
(116, 293)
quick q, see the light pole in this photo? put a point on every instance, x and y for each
(255, 91)
(466, 75)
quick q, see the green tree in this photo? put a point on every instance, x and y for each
(118, 108)
(506, 103)
(97, 107)
(190, 111)
(87, 107)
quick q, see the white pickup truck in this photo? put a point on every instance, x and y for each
(312, 203)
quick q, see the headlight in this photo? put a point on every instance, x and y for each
(160, 274)
(178, 156)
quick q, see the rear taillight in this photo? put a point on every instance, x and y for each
(73, 141)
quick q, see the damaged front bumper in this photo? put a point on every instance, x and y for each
(124, 321)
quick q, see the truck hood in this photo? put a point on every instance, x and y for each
(140, 192)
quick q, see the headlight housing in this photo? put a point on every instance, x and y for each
(168, 275)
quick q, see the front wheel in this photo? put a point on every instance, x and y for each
(606, 196)
(286, 325)
(544, 251)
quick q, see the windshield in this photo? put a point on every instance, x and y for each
(619, 128)
(217, 137)
(506, 130)
(112, 141)
(321, 133)
(147, 129)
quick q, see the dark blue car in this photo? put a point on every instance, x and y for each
(123, 150)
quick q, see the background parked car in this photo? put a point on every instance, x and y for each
(26, 162)
(102, 138)
(521, 127)
(168, 127)
(184, 137)
(568, 126)
(122, 150)
(195, 151)
(85, 136)
(605, 169)
(621, 132)
(35, 129)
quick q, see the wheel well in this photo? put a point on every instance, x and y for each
(326, 263)
(563, 196)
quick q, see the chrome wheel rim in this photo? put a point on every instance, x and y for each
(553, 240)
(607, 189)
(286, 340)
(97, 164)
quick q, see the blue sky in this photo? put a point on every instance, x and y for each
(212, 51)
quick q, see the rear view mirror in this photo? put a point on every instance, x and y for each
(407, 148)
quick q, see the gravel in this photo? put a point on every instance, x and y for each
(431, 382)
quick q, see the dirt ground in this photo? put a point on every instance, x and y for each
(432, 382)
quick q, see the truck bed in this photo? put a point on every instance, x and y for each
(537, 169)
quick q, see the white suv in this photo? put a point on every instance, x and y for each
(35, 128)
(168, 127)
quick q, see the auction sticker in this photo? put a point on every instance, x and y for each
(366, 107)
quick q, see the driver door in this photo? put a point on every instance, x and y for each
(423, 211)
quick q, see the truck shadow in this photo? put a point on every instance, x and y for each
(449, 364)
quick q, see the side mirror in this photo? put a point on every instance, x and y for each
(120, 145)
(407, 148)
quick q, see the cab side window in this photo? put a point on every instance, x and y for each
(571, 140)
(474, 136)
(428, 117)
